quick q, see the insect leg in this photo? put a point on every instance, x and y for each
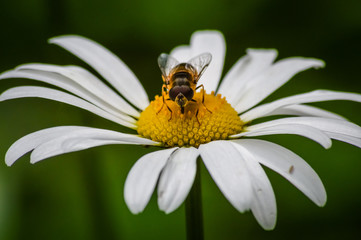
(197, 117)
(201, 86)
(164, 89)
(164, 92)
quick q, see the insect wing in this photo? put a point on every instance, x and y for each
(166, 64)
(200, 63)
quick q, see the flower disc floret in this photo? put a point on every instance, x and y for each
(216, 119)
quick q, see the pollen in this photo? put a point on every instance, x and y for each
(201, 122)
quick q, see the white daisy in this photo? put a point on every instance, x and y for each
(219, 136)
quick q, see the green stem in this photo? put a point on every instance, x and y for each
(194, 215)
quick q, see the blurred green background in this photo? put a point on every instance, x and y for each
(80, 195)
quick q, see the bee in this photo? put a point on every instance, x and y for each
(180, 79)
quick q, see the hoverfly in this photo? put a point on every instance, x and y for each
(180, 79)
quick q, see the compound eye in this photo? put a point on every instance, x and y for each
(186, 91)
(173, 93)
(189, 94)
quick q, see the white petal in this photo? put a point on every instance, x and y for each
(108, 65)
(304, 110)
(201, 42)
(31, 141)
(289, 165)
(69, 85)
(270, 80)
(143, 177)
(264, 202)
(323, 124)
(52, 94)
(177, 179)
(81, 143)
(269, 128)
(182, 53)
(345, 138)
(34, 140)
(314, 96)
(334, 128)
(83, 138)
(240, 75)
(229, 171)
(77, 80)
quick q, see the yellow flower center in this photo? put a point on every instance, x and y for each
(215, 120)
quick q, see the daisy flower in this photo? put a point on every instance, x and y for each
(216, 125)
